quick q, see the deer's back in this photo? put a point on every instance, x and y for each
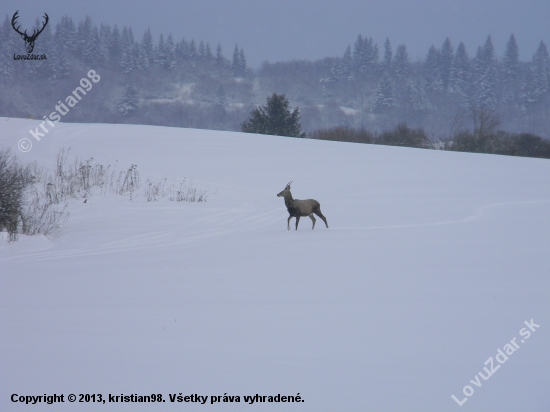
(303, 207)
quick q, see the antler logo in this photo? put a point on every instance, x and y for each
(29, 40)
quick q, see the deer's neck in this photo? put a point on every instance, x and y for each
(289, 201)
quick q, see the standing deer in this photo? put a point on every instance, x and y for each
(297, 208)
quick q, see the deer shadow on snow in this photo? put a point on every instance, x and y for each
(297, 208)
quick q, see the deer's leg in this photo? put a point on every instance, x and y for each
(288, 223)
(297, 221)
(318, 213)
(313, 219)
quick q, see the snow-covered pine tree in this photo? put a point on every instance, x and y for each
(165, 52)
(510, 62)
(59, 63)
(88, 40)
(365, 56)
(170, 53)
(147, 48)
(417, 97)
(388, 55)
(384, 96)
(115, 48)
(235, 65)
(510, 72)
(128, 61)
(181, 52)
(65, 35)
(192, 50)
(220, 60)
(209, 55)
(401, 64)
(542, 63)
(341, 69)
(431, 70)
(129, 101)
(536, 83)
(446, 62)
(347, 63)
(485, 80)
(8, 41)
(221, 105)
(238, 65)
(461, 75)
(242, 62)
(202, 51)
(104, 39)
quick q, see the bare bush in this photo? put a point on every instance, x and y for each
(404, 136)
(34, 200)
(187, 193)
(343, 134)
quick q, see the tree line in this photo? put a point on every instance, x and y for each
(188, 83)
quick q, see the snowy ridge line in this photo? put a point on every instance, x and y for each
(233, 224)
(479, 212)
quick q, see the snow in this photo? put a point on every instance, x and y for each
(348, 111)
(433, 261)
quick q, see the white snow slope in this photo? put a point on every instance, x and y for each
(433, 262)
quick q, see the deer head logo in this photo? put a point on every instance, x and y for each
(29, 40)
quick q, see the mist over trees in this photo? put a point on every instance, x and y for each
(188, 83)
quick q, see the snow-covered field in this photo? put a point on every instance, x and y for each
(433, 262)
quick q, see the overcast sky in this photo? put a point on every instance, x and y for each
(278, 30)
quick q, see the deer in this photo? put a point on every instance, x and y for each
(297, 208)
(29, 40)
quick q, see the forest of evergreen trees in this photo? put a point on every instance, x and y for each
(188, 83)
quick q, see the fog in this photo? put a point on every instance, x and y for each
(310, 29)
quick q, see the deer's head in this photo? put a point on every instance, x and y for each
(286, 191)
(29, 40)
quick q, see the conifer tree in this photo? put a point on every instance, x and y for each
(510, 71)
(384, 97)
(65, 35)
(417, 97)
(192, 51)
(485, 77)
(365, 56)
(536, 82)
(181, 52)
(238, 65)
(401, 64)
(128, 60)
(461, 74)
(347, 63)
(388, 55)
(202, 51)
(129, 102)
(275, 118)
(242, 62)
(170, 52)
(147, 47)
(446, 62)
(432, 73)
(115, 47)
(220, 60)
(510, 62)
(104, 39)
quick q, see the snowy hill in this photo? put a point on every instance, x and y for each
(433, 262)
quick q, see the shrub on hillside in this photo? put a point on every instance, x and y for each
(15, 179)
(343, 134)
(404, 136)
(502, 143)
